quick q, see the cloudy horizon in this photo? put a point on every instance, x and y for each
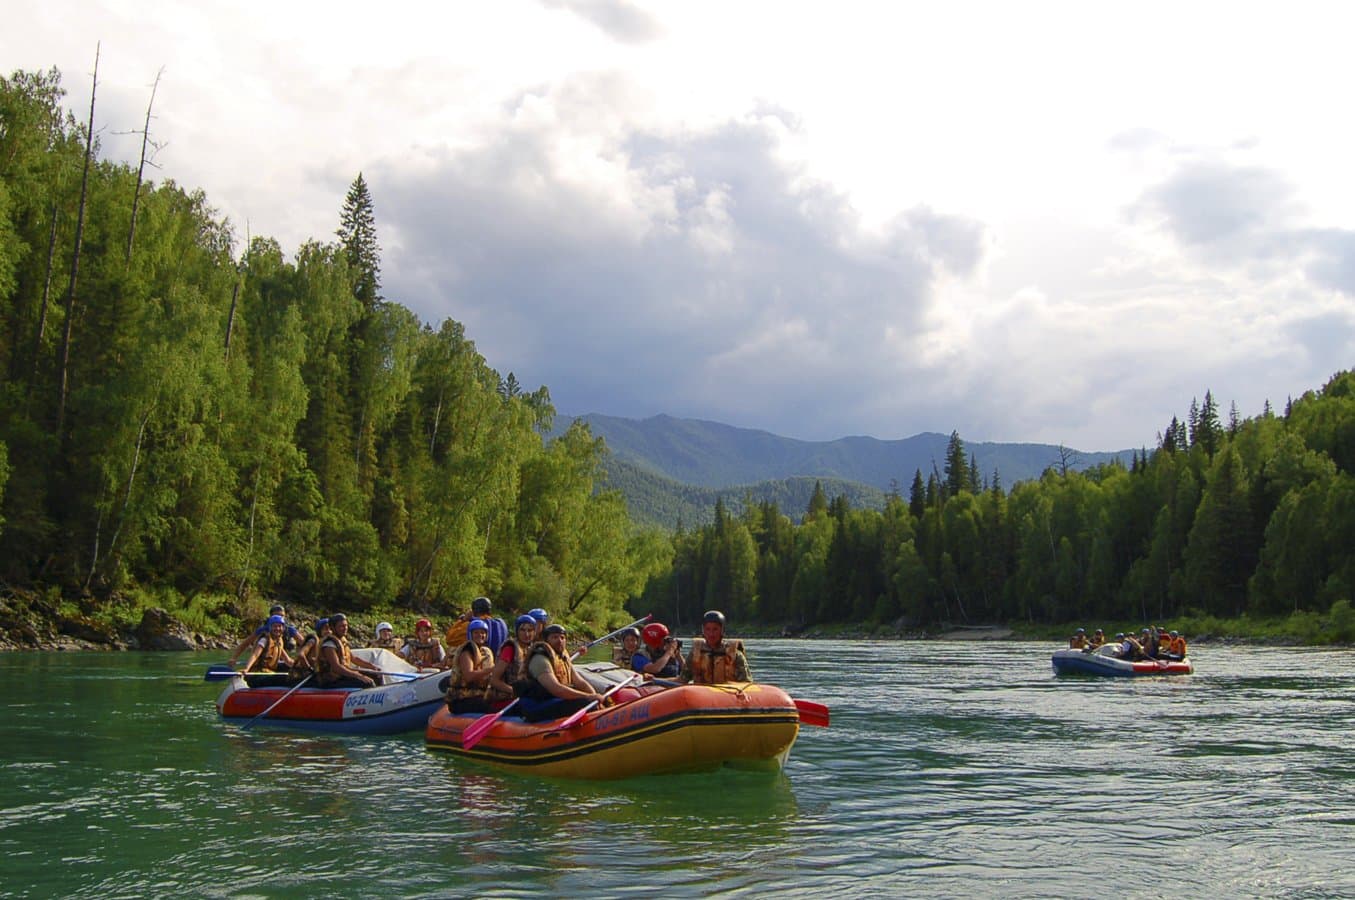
(1053, 224)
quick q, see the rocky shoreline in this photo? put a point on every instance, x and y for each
(30, 622)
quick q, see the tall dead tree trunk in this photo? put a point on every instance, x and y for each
(141, 169)
(41, 330)
(63, 380)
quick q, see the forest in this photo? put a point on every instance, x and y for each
(202, 425)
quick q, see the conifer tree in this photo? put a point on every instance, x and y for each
(917, 496)
(357, 236)
(957, 466)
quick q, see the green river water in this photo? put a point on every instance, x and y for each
(950, 769)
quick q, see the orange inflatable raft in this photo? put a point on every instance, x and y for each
(656, 729)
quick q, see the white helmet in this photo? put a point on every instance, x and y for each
(383, 626)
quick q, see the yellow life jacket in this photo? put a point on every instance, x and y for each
(272, 652)
(559, 666)
(481, 659)
(456, 634)
(1077, 641)
(323, 674)
(391, 643)
(717, 665)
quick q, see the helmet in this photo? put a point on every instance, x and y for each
(276, 609)
(714, 616)
(1081, 631)
(629, 632)
(480, 606)
(477, 625)
(540, 615)
(336, 618)
(553, 629)
(654, 634)
(1119, 635)
(523, 619)
(423, 623)
(1175, 634)
(384, 626)
(321, 623)
(275, 620)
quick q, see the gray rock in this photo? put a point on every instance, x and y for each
(161, 631)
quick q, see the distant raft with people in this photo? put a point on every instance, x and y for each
(654, 727)
(1103, 661)
(401, 704)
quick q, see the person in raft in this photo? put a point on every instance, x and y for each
(309, 651)
(1098, 638)
(470, 672)
(269, 653)
(290, 636)
(337, 666)
(713, 659)
(424, 650)
(661, 656)
(385, 638)
(624, 653)
(1079, 640)
(554, 689)
(480, 608)
(509, 678)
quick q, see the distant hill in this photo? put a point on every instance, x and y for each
(669, 468)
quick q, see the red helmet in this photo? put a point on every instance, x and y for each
(654, 634)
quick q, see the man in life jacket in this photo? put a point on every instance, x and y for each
(1079, 640)
(509, 677)
(1098, 638)
(713, 659)
(1129, 648)
(269, 653)
(554, 689)
(470, 672)
(1177, 648)
(336, 665)
(385, 638)
(290, 634)
(480, 608)
(424, 650)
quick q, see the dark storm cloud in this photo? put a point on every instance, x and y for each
(620, 20)
(693, 274)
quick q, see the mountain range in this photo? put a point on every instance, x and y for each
(672, 470)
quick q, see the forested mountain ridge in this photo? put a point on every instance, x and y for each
(714, 455)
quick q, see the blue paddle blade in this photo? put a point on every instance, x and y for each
(219, 673)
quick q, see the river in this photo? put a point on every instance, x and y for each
(950, 769)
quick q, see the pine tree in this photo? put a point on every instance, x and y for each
(357, 235)
(917, 496)
(957, 467)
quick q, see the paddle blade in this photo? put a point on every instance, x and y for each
(220, 673)
(576, 718)
(481, 726)
(812, 713)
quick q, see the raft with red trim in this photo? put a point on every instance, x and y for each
(656, 729)
(1102, 661)
(401, 705)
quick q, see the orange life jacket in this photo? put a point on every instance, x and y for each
(272, 652)
(1178, 647)
(323, 672)
(715, 665)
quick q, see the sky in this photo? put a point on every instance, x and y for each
(1038, 222)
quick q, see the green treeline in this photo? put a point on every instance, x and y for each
(1254, 517)
(176, 417)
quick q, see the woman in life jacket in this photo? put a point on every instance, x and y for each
(661, 656)
(336, 665)
(424, 650)
(470, 672)
(714, 659)
(509, 677)
(270, 653)
(309, 651)
(385, 638)
(554, 689)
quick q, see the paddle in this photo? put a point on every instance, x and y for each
(221, 672)
(578, 716)
(275, 705)
(812, 713)
(481, 726)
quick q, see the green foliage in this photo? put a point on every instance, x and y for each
(241, 429)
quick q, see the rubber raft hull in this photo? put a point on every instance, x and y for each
(679, 729)
(1077, 662)
(402, 706)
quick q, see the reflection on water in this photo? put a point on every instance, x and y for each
(949, 769)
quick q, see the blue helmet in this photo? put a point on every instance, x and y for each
(477, 625)
(524, 620)
(540, 615)
(321, 623)
(275, 620)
